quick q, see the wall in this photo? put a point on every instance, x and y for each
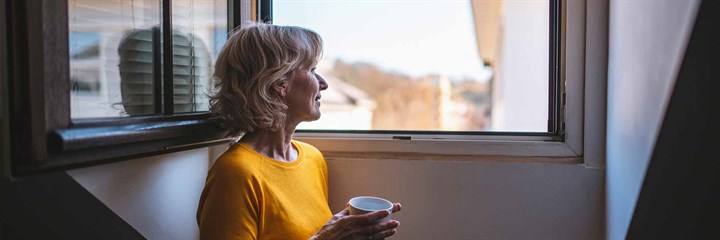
(681, 185)
(158, 195)
(54, 206)
(647, 41)
(478, 200)
(441, 200)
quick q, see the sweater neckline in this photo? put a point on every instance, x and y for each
(282, 164)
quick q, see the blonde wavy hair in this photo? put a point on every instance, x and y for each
(255, 57)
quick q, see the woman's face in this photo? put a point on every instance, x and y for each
(303, 95)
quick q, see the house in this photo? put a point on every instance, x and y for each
(654, 175)
(341, 102)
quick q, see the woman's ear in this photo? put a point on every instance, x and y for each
(281, 87)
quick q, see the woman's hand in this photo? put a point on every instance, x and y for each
(343, 226)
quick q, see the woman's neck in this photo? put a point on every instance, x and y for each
(273, 144)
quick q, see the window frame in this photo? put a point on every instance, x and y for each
(4, 128)
(43, 137)
(579, 107)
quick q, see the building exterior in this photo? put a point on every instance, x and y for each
(343, 107)
(512, 38)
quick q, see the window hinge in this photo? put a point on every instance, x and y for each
(563, 102)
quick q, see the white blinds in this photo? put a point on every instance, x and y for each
(97, 27)
(112, 66)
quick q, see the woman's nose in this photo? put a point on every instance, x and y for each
(323, 83)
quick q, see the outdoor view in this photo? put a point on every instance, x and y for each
(428, 64)
(391, 65)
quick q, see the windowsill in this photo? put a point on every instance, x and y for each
(446, 150)
(100, 141)
(332, 155)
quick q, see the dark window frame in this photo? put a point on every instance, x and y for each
(43, 136)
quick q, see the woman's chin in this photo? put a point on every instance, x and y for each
(313, 117)
(316, 117)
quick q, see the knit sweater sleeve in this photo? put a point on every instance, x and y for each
(230, 204)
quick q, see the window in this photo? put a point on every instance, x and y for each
(112, 55)
(98, 81)
(432, 65)
(66, 105)
(453, 79)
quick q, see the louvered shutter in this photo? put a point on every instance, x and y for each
(191, 72)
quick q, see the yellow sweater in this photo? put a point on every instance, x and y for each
(250, 196)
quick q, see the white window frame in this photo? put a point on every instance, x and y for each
(584, 73)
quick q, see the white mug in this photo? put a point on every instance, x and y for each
(366, 204)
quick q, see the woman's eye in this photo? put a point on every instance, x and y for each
(312, 70)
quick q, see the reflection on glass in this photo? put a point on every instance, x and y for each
(479, 65)
(85, 80)
(96, 30)
(136, 68)
(111, 55)
(196, 23)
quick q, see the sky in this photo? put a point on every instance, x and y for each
(413, 37)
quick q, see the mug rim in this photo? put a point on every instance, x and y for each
(370, 197)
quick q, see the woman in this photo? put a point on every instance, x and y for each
(268, 186)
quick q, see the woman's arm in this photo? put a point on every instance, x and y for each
(228, 207)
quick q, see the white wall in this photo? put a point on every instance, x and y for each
(478, 200)
(441, 200)
(158, 195)
(646, 45)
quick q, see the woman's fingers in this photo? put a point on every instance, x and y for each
(343, 225)
(366, 219)
(344, 212)
(396, 207)
(369, 219)
(339, 215)
(384, 234)
(375, 216)
(381, 227)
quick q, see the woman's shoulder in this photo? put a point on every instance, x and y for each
(236, 161)
(310, 149)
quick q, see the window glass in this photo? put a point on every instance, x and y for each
(96, 31)
(200, 31)
(429, 65)
(112, 65)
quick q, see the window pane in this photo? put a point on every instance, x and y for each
(429, 65)
(111, 60)
(199, 32)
